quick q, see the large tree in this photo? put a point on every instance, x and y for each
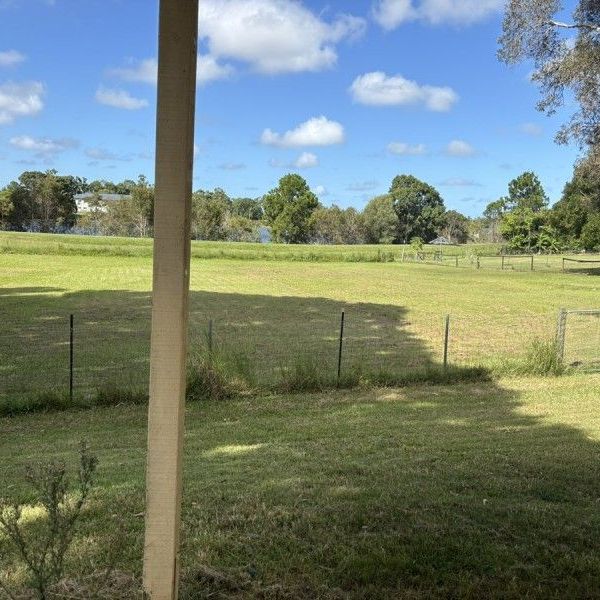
(566, 57)
(335, 225)
(455, 227)
(288, 210)
(380, 220)
(524, 212)
(419, 207)
(44, 201)
(209, 214)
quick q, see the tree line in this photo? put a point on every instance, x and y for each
(291, 212)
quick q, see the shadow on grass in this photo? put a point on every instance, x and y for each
(272, 343)
(426, 492)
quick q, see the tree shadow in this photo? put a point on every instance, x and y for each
(472, 490)
(270, 334)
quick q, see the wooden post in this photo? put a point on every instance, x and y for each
(561, 330)
(532, 262)
(503, 262)
(177, 55)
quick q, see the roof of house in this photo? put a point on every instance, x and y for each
(104, 197)
(441, 241)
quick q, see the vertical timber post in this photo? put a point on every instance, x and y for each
(503, 262)
(340, 349)
(532, 262)
(561, 330)
(177, 55)
(446, 340)
(210, 336)
(71, 356)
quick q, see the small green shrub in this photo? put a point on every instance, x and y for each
(542, 358)
(305, 374)
(216, 376)
(43, 549)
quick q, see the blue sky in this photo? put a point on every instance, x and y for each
(349, 94)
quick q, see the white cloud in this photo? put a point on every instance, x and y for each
(460, 148)
(146, 70)
(318, 131)
(532, 129)
(208, 69)
(392, 13)
(306, 160)
(103, 154)
(321, 191)
(20, 100)
(10, 58)
(232, 166)
(142, 71)
(404, 149)
(379, 89)
(460, 182)
(274, 36)
(363, 186)
(43, 147)
(119, 99)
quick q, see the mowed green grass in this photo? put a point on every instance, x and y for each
(271, 313)
(473, 491)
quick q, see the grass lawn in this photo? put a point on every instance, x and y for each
(269, 314)
(471, 491)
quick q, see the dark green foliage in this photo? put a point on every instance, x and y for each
(43, 551)
(380, 220)
(522, 214)
(209, 214)
(455, 227)
(288, 210)
(336, 226)
(42, 201)
(590, 233)
(419, 208)
(248, 208)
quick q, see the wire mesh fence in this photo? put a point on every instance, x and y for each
(109, 348)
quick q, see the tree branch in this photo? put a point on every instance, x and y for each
(587, 26)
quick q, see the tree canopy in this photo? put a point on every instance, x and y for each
(288, 209)
(566, 57)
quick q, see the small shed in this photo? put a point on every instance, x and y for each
(441, 241)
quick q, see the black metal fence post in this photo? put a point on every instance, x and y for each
(446, 340)
(339, 367)
(71, 356)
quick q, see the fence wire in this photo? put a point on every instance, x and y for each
(111, 346)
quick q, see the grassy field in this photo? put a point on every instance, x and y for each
(473, 491)
(270, 317)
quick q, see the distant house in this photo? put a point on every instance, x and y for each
(83, 200)
(441, 241)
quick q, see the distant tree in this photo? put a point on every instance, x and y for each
(6, 207)
(44, 201)
(248, 208)
(334, 225)
(288, 210)
(580, 200)
(525, 192)
(380, 220)
(455, 227)
(565, 57)
(241, 229)
(209, 214)
(419, 207)
(142, 199)
(524, 212)
(590, 234)
(492, 215)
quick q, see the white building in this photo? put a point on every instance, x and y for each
(83, 200)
